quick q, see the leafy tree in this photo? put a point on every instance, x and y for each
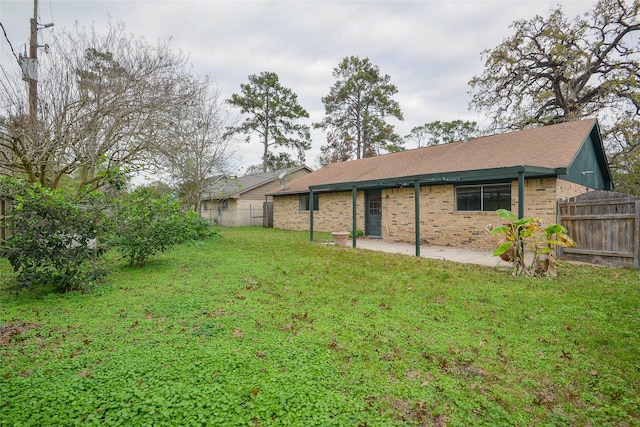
(57, 237)
(103, 102)
(553, 70)
(160, 188)
(437, 132)
(624, 150)
(626, 173)
(275, 162)
(355, 112)
(196, 145)
(272, 111)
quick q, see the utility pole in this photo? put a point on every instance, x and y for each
(29, 65)
(33, 77)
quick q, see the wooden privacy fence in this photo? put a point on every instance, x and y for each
(605, 226)
(5, 206)
(268, 215)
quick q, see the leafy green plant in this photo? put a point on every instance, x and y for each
(520, 234)
(196, 227)
(56, 239)
(359, 233)
(147, 224)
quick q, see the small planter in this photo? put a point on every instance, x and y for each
(341, 237)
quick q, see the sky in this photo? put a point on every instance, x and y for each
(429, 48)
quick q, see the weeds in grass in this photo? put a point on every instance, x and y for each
(263, 327)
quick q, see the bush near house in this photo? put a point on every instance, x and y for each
(56, 240)
(60, 238)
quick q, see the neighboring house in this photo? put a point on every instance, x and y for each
(448, 194)
(237, 201)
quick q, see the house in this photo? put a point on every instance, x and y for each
(448, 194)
(241, 201)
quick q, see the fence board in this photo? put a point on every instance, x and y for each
(605, 226)
(5, 207)
(268, 215)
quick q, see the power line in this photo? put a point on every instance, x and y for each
(9, 41)
(51, 12)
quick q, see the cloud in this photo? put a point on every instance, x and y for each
(430, 48)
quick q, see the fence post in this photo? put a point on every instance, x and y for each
(636, 243)
(5, 228)
(560, 251)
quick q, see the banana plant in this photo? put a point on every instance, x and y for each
(529, 233)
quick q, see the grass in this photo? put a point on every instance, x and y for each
(264, 328)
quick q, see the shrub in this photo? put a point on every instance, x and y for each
(196, 227)
(147, 224)
(56, 240)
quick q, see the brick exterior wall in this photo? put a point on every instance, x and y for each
(334, 213)
(570, 189)
(440, 224)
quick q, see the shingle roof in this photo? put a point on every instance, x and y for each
(229, 187)
(552, 146)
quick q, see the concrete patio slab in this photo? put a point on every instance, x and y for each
(448, 253)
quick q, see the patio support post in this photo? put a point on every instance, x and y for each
(311, 214)
(416, 200)
(521, 194)
(354, 219)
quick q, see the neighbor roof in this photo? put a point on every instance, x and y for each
(231, 187)
(549, 147)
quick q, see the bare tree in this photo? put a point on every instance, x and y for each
(104, 100)
(197, 144)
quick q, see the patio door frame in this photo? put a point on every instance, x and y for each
(373, 213)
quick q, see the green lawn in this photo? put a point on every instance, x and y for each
(263, 327)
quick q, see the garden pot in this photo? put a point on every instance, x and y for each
(341, 237)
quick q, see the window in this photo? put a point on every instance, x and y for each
(304, 202)
(483, 197)
(223, 205)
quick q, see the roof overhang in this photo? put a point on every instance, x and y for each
(460, 177)
(220, 196)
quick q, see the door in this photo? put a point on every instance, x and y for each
(373, 213)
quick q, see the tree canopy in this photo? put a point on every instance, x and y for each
(553, 69)
(103, 102)
(435, 133)
(356, 110)
(272, 111)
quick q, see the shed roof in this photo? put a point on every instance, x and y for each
(549, 148)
